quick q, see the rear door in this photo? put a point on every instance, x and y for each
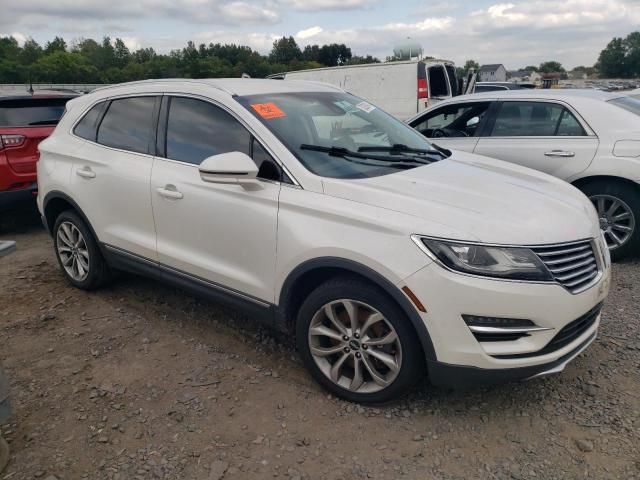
(438, 84)
(542, 134)
(454, 125)
(111, 174)
(24, 123)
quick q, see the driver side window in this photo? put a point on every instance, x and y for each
(457, 120)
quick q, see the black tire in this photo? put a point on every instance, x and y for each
(631, 197)
(412, 365)
(98, 273)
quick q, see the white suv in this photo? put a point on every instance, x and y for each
(383, 255)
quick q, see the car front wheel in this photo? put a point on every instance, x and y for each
(357, 342)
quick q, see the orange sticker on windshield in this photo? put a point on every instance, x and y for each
(268, 110)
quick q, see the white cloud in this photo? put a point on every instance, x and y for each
(308, 32)
(20, 37)
(315, 5)
(426, 25)
(262, 42)
(219, 12)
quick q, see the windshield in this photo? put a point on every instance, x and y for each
(340, 120)
(630, 103)
(31, 112)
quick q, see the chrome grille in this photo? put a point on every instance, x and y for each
(572, 265)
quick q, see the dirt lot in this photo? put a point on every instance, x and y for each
(141, 381)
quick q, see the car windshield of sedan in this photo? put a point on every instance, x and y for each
(335, 134)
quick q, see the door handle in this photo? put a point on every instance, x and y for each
(169, 191)
(559, 153)
(86, 172)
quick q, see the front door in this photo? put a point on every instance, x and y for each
(224, 234)
(543, 135)
(455, 125)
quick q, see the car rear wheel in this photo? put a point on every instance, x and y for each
(618, 207)
(357, 342)
(78, 253)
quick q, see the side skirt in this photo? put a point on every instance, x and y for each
(120, 259)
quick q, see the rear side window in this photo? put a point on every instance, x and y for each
(31, 112)
(197, 130)
(86, 128)
(438, 81)
(128, 124)
(535, 119)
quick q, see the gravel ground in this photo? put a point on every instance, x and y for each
(141, 381)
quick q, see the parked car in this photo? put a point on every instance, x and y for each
(481, 87)
(589, 138)
(25, 120)
(317, 211)
(401, 88)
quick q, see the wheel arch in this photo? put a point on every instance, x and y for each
(310, 274)
(581, 182)
(56, 202)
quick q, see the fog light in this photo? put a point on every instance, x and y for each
(498, 329)
(477, 321)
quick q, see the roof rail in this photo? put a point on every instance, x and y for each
(161, 80)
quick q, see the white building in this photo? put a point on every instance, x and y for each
(492, 73)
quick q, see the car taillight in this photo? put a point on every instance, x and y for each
(11, 140)
(423, 90)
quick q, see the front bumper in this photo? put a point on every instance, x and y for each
(461, 359)
(456, 376)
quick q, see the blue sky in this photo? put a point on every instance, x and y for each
(516, 33)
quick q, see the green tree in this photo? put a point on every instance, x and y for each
(31, 52)
(632, 54)
(9, 48)
(611, 62)
(359, 60)
(285, 50)
(551, 67)
(56, 45)
(471, 64)
(121, 53)
(529, 68)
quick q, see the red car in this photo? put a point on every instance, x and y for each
(25, 121)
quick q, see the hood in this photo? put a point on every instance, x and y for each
(470, 197)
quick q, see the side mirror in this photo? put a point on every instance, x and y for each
(231, 167)
(473, 122)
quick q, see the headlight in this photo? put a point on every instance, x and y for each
(512, 263)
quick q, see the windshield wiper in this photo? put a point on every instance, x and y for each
(445, 152)
(345, 152)
(401, 148)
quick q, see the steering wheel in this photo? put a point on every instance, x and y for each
(439, 133)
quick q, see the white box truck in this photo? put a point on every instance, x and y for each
(401, 88)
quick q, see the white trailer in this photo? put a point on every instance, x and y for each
(401, 88)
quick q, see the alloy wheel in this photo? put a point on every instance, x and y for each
(616, 219)
(73, 251)
(355, 346)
